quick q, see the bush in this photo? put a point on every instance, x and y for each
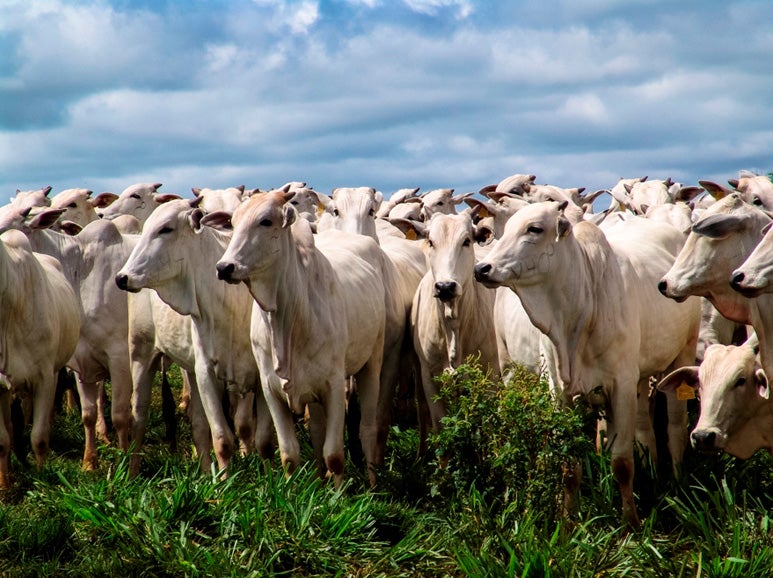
(511, 443)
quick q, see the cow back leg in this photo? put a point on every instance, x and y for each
(43, 406)
(121, 394)
(245, 422)
(144, 365)
(335, 416)
(101, 423)
(5, 437)
(211, 392)
(621, 427)
(317, 428)
(645, 432)
(202, 437)
(88, 393)
(368, 381)
(264, 435)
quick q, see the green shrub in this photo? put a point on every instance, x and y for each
(511, 442)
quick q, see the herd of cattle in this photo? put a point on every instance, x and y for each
(290, 301)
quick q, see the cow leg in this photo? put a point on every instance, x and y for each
(100, 399)
(211, 392)
(144, 365)
(645, 433)
(264, 436)
(88, 393)
(335, 413)
(245, 422)
(368, 391)
(316, 413)
(621, 427)
(186, 392)
(5, 437)
(677, 413)
(289, 449)
(202, 437)
(121, 393)
(43, 405)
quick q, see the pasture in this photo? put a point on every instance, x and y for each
(493, 510)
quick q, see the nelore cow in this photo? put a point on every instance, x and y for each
(319, 317)
(594, 295)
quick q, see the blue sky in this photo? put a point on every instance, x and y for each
(402, 93)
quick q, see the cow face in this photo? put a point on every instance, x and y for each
(259, 245)
(732, 387)
(525, 254)
(756, 190)
(719, 242)
(139, 200)
(161, 250)
(450, 253)
(754, 276)
(353, 209)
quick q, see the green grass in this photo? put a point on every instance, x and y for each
(493, 509)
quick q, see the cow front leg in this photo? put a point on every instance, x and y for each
(335, 412)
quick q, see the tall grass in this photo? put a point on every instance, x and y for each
(493, 509)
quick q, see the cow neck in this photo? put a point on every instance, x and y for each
(296, 270)
(755, 434)
(564, 308)
(65, 248)
(761, 319)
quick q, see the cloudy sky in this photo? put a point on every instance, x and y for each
(386, 93)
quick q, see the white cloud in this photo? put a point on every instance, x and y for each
(462, 8)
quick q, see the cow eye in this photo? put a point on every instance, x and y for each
(739, 382)
(165, 230)
(294, 203)
(266, 223)
(72, 205)
(756, 201)
(430, 243)
(371, 213)
(467, 242)
(336, 213)
(534, 229)
(135, 196)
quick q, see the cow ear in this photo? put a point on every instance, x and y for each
(196, 191)
(684, 375)
(563, 226)
(288, 215)
(718, 226)
(762, 384)
(102, 200)
(410, 228)
(325, 203)
(194, 219)
(45, 219)
(70, 228)
(378, 198)
(166, 197)
(220, 220)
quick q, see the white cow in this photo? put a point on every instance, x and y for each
(736, 411)
(756, 189)
(138, 200)
(89, 261)
(354, 210)
(399, 197)
(718, 243)
(594, 296)
(77, 207)
(754, 276)
(220, 199)
(451, 316)
(176, 257)
(39, 335)
(29, 200)
(440, 201)
(644, 194)
(319, 317)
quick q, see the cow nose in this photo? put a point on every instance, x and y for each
(225, 271)
(703, 440)
(663, 287)
(445, 290)
(122, 281)
(482, 271)
(737, 279)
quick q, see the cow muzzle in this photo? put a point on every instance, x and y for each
(225, 272)
(446, 290)
(740, 284)
(705, 441)
(122, 280)
(482, 272)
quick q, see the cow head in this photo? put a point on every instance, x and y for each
(526, 252)
(732, 387)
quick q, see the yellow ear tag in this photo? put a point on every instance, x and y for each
(685, 392)
(411, 235)
(483, 213)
